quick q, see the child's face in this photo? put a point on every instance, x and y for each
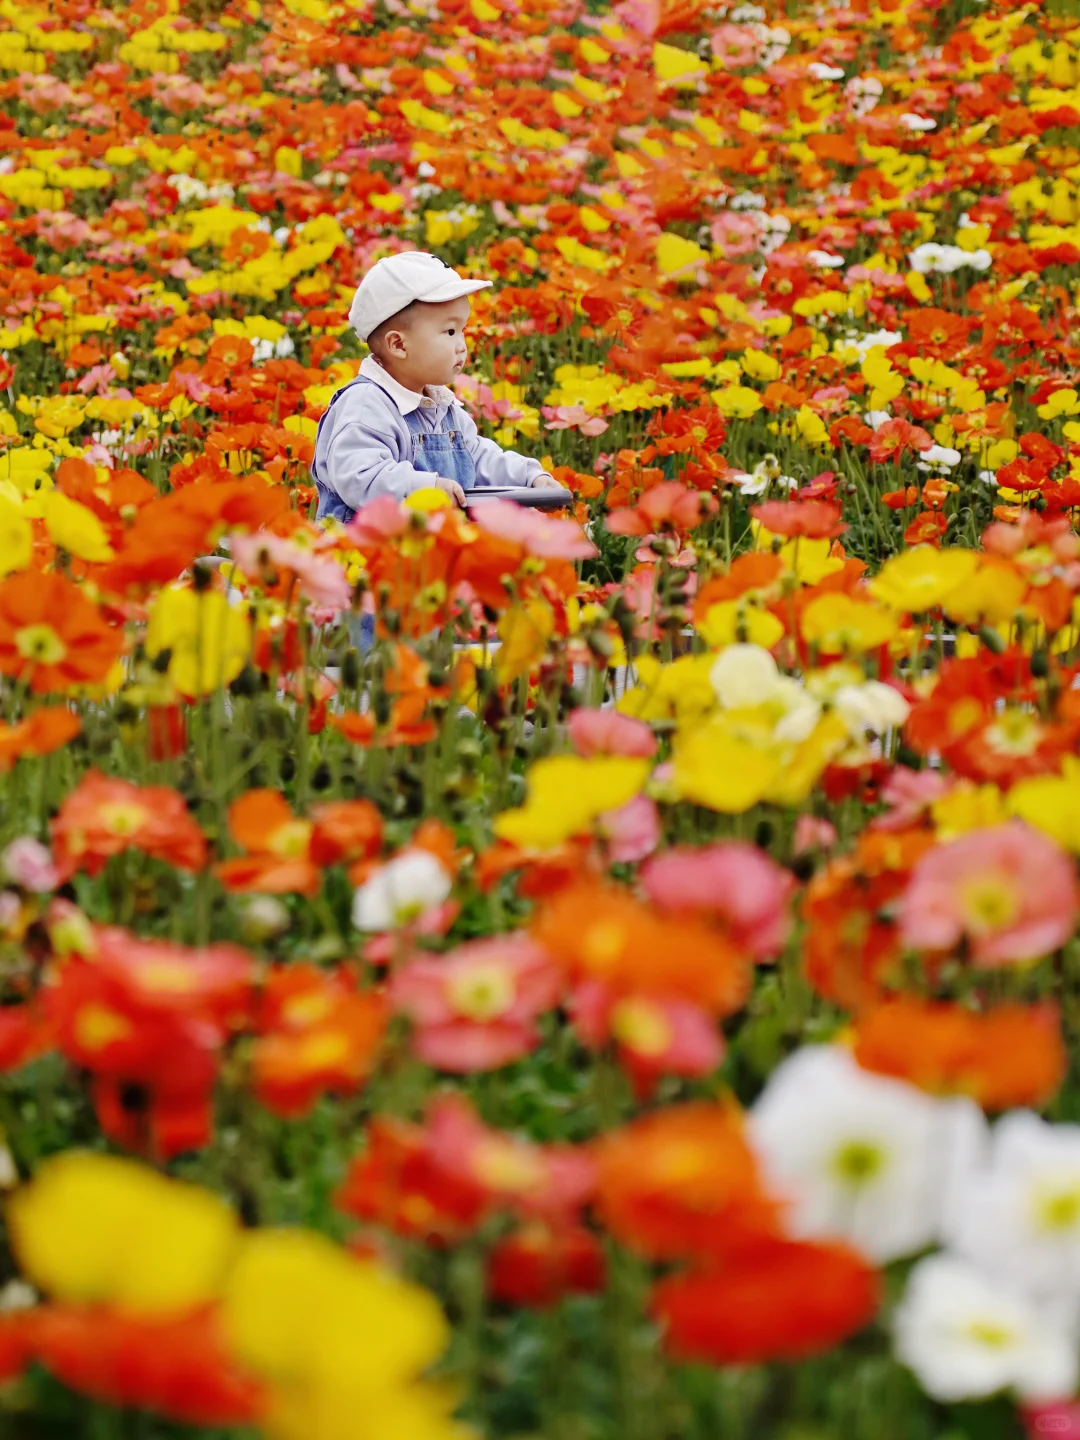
(432, 345)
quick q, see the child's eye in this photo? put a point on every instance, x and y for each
(452, 330)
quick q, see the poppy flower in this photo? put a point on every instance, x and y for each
(814, 519)
(277, 844)
(537, 1264)
(178, 1367)
(778, 1300)
(51, 635)
(42, 732)
(317, 1034)
(1005, 1057)
(682, 1181)
(603, 934)
(103, 817)
(1008, 892)
(738, 885)
(476, 1007)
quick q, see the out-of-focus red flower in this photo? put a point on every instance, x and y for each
(178, 1367)
(103, 817)
(538, 1264)
(778, 1300)
(317, 1035)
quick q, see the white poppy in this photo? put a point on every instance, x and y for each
(1018, 1217)
(400, 891)
(870, 706)
(857, 1156)
(966, 1338)
(917, 123)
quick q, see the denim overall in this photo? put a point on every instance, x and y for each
(436, 452)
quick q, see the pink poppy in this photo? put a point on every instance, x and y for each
(322, 580)
(606, 732)
(669, 505)
(1009, 892)
(735, 46)
(541, 535)
(737, 883)
(573, 417)
(476, 1007)
(812, 833)
(653, 1036)
(736, 232)
(909, 795)
(533, 1180)
(631, 832)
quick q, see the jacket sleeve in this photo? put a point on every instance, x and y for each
(362, 463)
(494, 465)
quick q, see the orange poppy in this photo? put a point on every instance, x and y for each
(278, 844)
(40, 733)
(51, 636)
(1010, 1056)
(600, 933)
(682, 1181)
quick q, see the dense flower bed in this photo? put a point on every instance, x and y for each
(637, 998)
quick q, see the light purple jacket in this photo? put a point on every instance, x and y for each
(364, 446)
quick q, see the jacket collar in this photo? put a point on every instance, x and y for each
(406, 400)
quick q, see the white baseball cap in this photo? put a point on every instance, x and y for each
(398, 280)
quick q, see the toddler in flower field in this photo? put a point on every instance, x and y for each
(396, 428)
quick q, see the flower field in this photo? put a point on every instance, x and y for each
(637, 997)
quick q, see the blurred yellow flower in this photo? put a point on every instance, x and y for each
(94, 1228)
(566, 794)
(919, 579)
(208, 639)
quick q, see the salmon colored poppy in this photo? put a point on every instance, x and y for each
(101, 818)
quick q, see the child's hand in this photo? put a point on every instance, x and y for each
(449, 487)
(544, 481)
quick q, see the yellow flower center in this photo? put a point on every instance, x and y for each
(1015, 733)
(858, 1162)
(291, 839)
(1058, 1208)
(507, 1167)
(641, 1026)
(988, 903)
(40, 644)
(481, 993)
(304, 1010)
(123, 818)
(96, 1027)
(993, 1336)
(602, 944)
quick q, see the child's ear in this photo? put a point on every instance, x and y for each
(394, 341)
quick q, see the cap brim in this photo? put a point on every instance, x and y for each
(452, 290)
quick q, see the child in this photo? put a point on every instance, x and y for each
(396, 428)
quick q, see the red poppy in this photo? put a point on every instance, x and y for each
(178, 1367)
(538, 1264)
(778, 1300)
